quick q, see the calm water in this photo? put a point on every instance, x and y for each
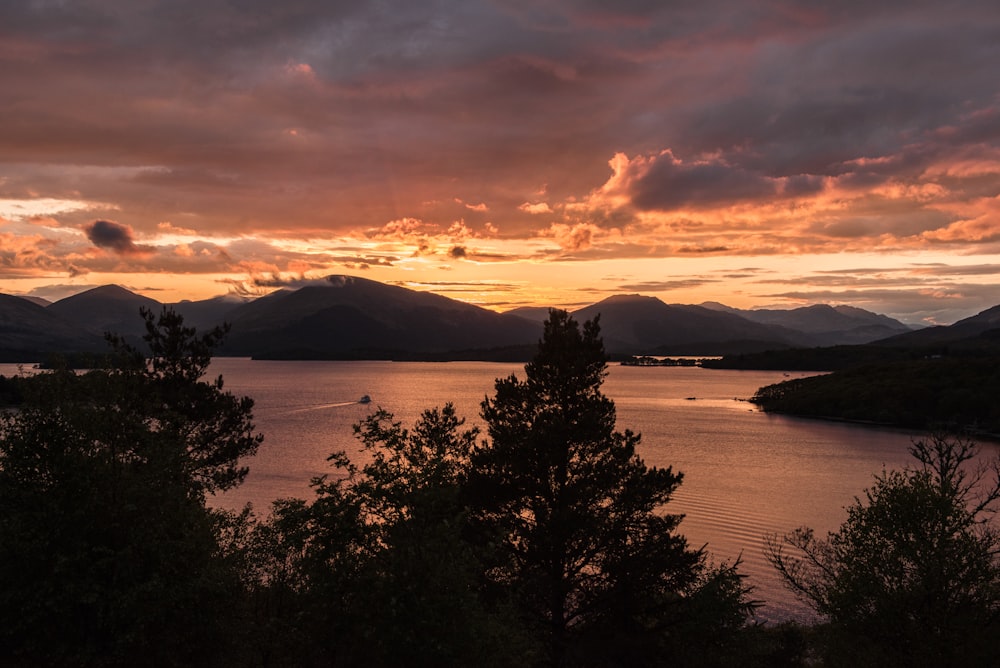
(746, 473)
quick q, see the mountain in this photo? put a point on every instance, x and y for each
(109, 308)
(29, 332)
(982, 328)
(634, 324)
(346, 316)
(208, 313)
(532, 313)
(825, 325)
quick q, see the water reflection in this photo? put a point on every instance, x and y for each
(747, 473)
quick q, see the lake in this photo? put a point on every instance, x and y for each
(746, 473)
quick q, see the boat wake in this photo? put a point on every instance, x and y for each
(320, 407)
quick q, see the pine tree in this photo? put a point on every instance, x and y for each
(586, 549)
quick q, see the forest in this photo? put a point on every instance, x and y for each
(543, 541)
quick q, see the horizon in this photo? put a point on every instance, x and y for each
(507, 155)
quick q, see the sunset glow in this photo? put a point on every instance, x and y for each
(756, 154)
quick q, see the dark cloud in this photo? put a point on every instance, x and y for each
(671, 184)
(959, 270)
(419, 93)
(318, 119)
(457, 252)
(879, 218)
(115, 236)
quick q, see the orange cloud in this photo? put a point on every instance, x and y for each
(539, 208)
(572, 237)
(170, 228)
(984, 227)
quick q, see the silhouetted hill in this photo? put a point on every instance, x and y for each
(109, 308)
(347, 317)
(208, 313)
(645, 325)
(825, 325)
(533, 313)
(977, 327)
(974, 337)
(30, 333)
(350, 317)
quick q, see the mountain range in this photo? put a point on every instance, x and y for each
(346, 317)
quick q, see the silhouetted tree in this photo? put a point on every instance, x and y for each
(383, 573)
(912, 577)
(586, 549)
(108, 555)
(214, 427)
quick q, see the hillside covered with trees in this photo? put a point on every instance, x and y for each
(936, 393)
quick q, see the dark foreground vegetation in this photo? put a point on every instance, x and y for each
(912, 577)
(545, 541)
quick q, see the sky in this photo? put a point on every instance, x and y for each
(767, 154)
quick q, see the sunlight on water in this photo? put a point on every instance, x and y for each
(746, 473)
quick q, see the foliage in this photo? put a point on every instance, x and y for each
(214, 427)
(586, 550)
(912, 577)
(10, 390)
(379, 564)
(108, 555)
(547, 544)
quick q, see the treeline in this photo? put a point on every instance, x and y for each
(546, 541)
(905, 348)
(953, 393)
(832, 358)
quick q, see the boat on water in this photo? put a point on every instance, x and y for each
(365, 399)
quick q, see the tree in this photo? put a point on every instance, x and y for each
(587, 551)
(213, 427)
(912, 577)
(108, 555)
(379, 564)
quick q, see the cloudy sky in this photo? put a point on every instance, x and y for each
(507, 152)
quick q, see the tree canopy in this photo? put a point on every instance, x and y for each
(912, 577)
(108, 555)
(587, 549)
(545, 543)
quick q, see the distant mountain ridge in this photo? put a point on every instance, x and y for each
(826, 325)
(985, 324)
(648, 326)
(348, 317)
(109, 308)
(29, 331)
